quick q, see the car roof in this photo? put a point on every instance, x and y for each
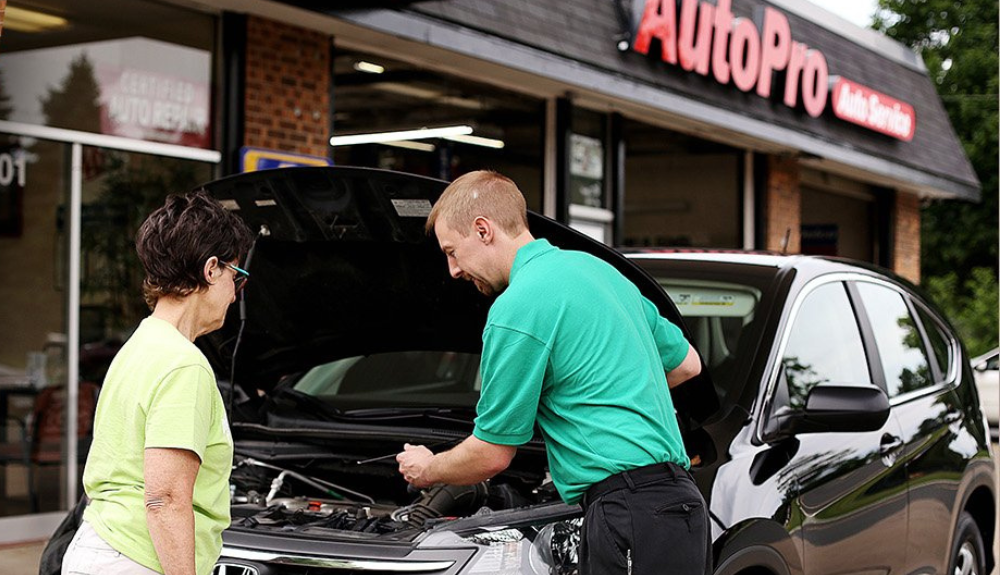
(767, 259)
(812, 264)
(764, 263)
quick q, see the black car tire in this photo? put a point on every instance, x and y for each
(967, 553)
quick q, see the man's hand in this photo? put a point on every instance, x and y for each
(469, 462)
(413, 463)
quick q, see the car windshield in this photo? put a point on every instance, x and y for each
(722, 304)
(718, 314)
(404, 379)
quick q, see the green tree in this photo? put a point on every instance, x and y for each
(971, 306)
(958, 43)
(76, 103)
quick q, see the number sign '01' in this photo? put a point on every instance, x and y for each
(12, 169)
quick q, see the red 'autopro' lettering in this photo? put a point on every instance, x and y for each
(775, 49)
(659, 20)
(744, 54)
(702, 36)
(694, 47)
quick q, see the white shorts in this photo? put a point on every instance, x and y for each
(88, 554)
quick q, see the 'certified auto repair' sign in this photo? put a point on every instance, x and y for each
(704, 38)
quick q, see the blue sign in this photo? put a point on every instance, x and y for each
(253, 159)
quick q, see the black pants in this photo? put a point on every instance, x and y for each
(647, 520)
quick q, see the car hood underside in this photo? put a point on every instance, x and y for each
(342, 266)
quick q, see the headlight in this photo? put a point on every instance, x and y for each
(551, 549)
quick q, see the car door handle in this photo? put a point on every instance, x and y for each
(889, 444)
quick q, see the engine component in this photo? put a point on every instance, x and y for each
(444, 501)
(270, 498)
(294, 514)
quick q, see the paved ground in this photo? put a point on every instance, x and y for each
(23, 559)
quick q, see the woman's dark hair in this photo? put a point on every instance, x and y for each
(177, 239)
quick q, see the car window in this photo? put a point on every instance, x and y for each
(717, 315)
(992, 362)
(824, 345)
(900, 347)
(939, 342)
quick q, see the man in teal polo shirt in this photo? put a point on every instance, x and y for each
(572, 344)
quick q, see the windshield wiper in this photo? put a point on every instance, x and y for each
(307, 403)
(451, 414)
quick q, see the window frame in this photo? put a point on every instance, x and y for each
(952, 375)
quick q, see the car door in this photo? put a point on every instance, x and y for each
(851, 491)
(918, 360)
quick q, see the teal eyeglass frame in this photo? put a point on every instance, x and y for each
(242, 275)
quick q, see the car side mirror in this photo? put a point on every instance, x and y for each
(841, 408)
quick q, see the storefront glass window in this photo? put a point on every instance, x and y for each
(113, 68)
(838, 217)
(375, 94)
(680, 191)
(128, 68)
(119, 190)
(33, 316)
(586, 159)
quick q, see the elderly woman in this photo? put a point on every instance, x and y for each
(158, 471)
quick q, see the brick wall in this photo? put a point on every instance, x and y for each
(783, 205)
(287, 88)
(906, 237)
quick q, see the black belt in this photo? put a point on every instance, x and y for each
(633, 478)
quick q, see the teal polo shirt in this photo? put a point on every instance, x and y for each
(572, 344)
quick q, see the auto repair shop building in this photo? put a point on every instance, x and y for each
(733, 124)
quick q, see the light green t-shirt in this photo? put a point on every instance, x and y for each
(573, 341)
(159, 392)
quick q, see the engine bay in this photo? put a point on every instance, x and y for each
(364, 501)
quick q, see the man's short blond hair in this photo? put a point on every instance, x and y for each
(481, 193)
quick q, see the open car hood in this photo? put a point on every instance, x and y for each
(342, 267)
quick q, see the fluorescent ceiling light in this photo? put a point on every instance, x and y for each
(420, 146)
(477, 141)
(362, 66)
(380, 137)
(406, 90)
(467, 103)
(429, 94)
(24, 20)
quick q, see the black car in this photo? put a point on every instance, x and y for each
(836, 428)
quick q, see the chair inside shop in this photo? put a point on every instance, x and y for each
(41, 438)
